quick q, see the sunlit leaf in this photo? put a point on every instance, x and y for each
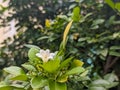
(31, 46)
(57, 86)
(38, 82)
(14, 70)
(66, 32)
(76, 70)
(114, 47)
(51, 66)
(62, 79)
(76, 14)
(29, 67)
(114, 53)
(97, 88)
(77, 63)
(111, 77)
(100, 83)
(6, 87)
(32, 54)
(97, 21)
(65, 62)
(110, 3)
(19, 77)
(117, 6)
(47, 23)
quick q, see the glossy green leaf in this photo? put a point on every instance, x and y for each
(62, 79)
(110, 3)
(114, 53)
(29, 67)
(110, 21)
(57, 86)
(97, 21)
(32, 54)
(77, 63)
(31, 46)
(42, 38)
(65, 34)
(6, 87)
(117, 6)
(38, 82)
(95, 27)
(113, 80)
(51, 66)
(100, 83)
(14, 70)
(97, 88)
(104, 52)
(114, 47)
(76, 70)
(65, 62)
(19, 77)
(83, 18)
(76, 14)
(113, 84)
(111, 77)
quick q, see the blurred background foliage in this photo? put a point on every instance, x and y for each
(94, 36)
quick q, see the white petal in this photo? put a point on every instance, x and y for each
(38, 55)
(52, 54)
(47, 51)
(41, 51)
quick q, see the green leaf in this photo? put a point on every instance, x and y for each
(72, 6)
(116, 35)
(77, 63)
(83, 39)
(57, 86)
(42, 38)
(31, 46)
(83, 18)
(38, 82)
(111, 77)
(97, 88)
(114, 53)
(84, 73)
(14, 70)
(97, 21)
(65, 34)
(113, 84)
(114, 47)
(110, 3)
(100, 83)
(29, 67)
(51, 66)
(18, 86)
(19, 77)
(76, 14)
(32, 54)
(62, 79)
(95, 27)
(65, 62)
(104, 52)
(75, 70)
(117, 6)
(116, 22)
(6, 87)
(110, 21)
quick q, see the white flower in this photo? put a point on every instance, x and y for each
(45, 55)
